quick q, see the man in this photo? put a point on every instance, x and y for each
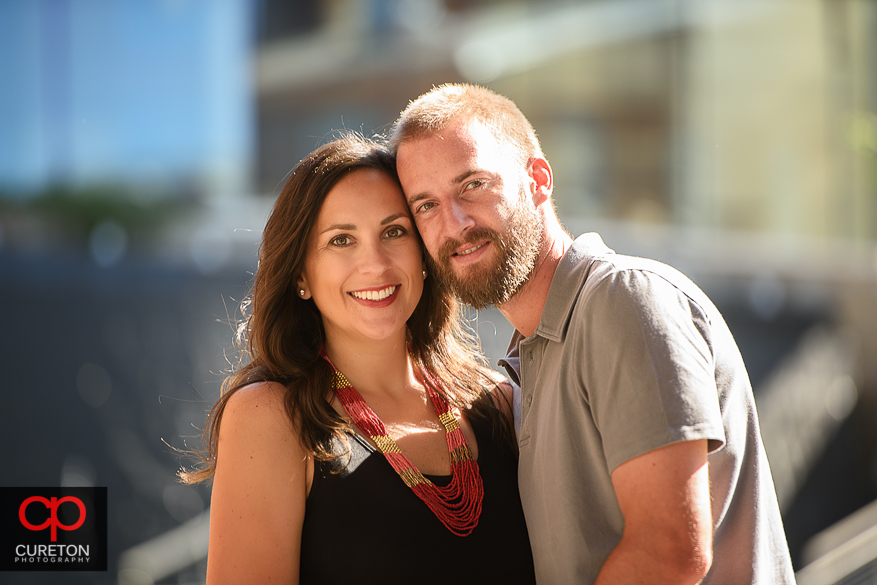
(640, 454)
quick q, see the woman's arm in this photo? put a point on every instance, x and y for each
(259, 491)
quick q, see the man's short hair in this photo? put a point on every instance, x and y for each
(442, 105)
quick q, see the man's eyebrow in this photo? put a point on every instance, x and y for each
(465, 176)
(459, 179)
(416, 198)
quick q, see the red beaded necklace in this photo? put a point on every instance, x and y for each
(457, 505)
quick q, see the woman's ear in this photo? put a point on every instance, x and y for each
(303, 289)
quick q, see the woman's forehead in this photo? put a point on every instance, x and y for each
(362, 196)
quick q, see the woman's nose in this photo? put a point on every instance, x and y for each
(373, 259)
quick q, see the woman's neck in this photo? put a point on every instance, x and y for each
(373, 366)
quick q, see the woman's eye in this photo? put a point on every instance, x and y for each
(340, 240)
(395, 232)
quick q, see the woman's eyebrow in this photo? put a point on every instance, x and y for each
(339, 226)
(352, 227)
(394, 217)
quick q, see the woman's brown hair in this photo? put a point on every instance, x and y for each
(281, 334)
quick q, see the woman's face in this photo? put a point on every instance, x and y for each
(363, 266)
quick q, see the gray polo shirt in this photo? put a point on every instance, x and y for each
(630, 356)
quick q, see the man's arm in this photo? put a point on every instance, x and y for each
(665, 499)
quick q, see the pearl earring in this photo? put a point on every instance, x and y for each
(424, 274)
(301, 291)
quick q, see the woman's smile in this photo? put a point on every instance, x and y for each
(375, 295)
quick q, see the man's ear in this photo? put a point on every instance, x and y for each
(302, 288)
(541, 180)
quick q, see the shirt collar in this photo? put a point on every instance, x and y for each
(572, 270)
(568, 279)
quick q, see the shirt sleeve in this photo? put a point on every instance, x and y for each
(648, 370)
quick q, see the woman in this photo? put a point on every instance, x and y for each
(362, 440)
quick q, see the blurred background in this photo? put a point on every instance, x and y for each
(142, 144)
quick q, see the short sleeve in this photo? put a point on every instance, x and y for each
(648, 367)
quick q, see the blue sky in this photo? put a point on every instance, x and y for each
(135, 90)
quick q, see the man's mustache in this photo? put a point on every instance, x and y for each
(449, 247)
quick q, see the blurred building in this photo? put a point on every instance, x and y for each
(125, 126)
(142, 94)
(753, 116)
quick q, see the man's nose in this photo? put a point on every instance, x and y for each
(457, 219)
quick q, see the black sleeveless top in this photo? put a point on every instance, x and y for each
(364, 525)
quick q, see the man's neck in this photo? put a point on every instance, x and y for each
(524, 310)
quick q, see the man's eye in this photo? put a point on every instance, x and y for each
(475, 184)
(426, 206)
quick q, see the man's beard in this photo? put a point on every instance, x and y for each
(515, 258)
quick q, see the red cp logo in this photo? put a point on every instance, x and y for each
(52, 506)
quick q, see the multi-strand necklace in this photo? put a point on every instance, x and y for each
(457, 505)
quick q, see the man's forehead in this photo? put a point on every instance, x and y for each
(466, 136)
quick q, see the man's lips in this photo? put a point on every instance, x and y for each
(468, 250)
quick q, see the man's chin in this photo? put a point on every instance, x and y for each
(470, 276)
(476, 291)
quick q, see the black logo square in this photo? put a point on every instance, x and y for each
(53, 529)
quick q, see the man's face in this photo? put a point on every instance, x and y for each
(470, 197)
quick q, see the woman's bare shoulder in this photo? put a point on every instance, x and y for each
(256, 419)
(256, 405)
